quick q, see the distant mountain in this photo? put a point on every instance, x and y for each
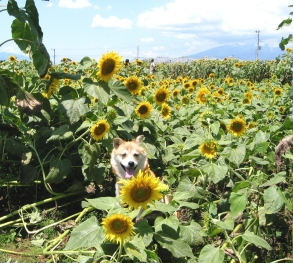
(245, 52)
(5, 56)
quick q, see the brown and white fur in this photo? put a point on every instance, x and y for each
(127, 158)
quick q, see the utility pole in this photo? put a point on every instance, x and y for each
(137, 52)
(54, 55)
(258, 47)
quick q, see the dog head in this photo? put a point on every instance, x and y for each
(128, 158)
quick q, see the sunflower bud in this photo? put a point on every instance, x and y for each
(27, 103)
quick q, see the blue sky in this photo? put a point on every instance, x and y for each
(150, 28)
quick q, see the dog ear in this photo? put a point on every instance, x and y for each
(139, 139)
(117, 142)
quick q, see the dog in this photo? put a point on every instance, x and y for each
(127, 158)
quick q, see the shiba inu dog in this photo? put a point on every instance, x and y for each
(127, 158)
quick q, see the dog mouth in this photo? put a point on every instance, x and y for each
(129, 171)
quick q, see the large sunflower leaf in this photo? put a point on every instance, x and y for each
(59, 169)
(211, 254)
(120, 90)
(97, 90)
(88, 234)
(73, 109)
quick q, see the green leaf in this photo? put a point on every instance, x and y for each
(4, 98)
(237, 155)
(103, 203)
(96, 90)
(121, 91)
(160, 206)
(227, 224)
(15, 147)
(238, 203)
(274, 180)
(215, 127)
(175, 246)
(259, 160)
(192, 141)
(261, 147)
(256, 240)
(59, 169)
(178, 196)
(183, 131)
(285, 200)
(190, 234)
(185, 185)
(62, 75)
(211, 254)
(135, 248)
(87, 234)
(273, 202)
(261, 137)
(145, 231)
(171, 222)
(215, 172)
(285, 22)
(61, 133)
(287, 124)
(73, 109)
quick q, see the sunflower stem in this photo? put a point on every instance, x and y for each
(120, 251)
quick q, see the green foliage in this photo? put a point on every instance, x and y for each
(230, 202)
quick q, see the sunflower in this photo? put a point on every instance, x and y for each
(246, 100)
(201, 95)
(278, 91)
(212, 75)
(161, 95)
(118, 228)
(221, 91)
(141, 190)
(186, 85)
(194, 82)
(190, 89)
(53, 87)
(209, 149)
(237, 127)
(12, 59)
(175, 93)
(109, 64)
(252, 124)
(185, 99)
(100, 129)
(166, 111)
(133, 84)
(282, 109)
(144, 109)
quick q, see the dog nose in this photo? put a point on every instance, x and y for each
(131, 164)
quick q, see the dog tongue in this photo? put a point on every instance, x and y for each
(129, 172)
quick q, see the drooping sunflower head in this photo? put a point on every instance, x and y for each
(109, 64)
(246, 100)
(100, 129)
(133, 84)
(201, 95)
(12, 59)
(141, 190)
(209, 149)
(118, 228)
(237, 127)
(144, 109)
(161, 95)
(166, 111)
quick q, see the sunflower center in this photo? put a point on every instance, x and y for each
(161, 96)
(209, 148)
(141, 193)
(118, 226)
(132, 86)
(108, 66)
(165, 111)
(237, 127)
(99, 129)
(143, 109)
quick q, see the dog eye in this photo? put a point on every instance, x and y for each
(123, 154)
(135, 154)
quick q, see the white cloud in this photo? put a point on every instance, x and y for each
(111, 22)
(96, 7)
(228, 17)
(109, 7)
(147, 39)
(49, 4)
(74, 4)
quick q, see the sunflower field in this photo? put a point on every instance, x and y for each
(218, 136)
